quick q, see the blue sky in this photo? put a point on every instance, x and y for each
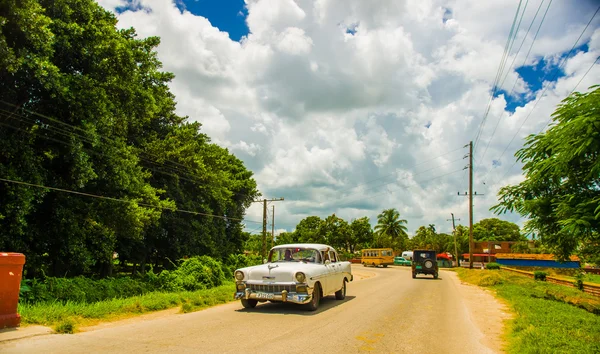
(227, 15)
(535, 75)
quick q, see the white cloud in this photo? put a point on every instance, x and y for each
(344, 106)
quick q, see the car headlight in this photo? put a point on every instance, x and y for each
(300, 277)
(239, 275)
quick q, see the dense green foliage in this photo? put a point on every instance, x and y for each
(191, 274)
(494, 229)
(561, 192)
(85, 107)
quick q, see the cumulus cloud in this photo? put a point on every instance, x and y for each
(347, 107)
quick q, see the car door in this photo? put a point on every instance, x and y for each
(337, 276)
(328, 273)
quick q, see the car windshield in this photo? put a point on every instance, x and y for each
(294, 254)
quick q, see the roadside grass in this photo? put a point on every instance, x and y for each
(550, 318)
(564, 273)
(66, 317)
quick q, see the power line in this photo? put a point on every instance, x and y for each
(392, 174)
(524, 61)
(556, 72)
(89, 140)
(388, 183)
(407, 187)
(549, 120)
(498, 74)
(124, 200)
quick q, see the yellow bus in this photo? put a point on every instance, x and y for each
(377, 257)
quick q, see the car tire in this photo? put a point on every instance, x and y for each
(435, 276)
(385, 266)
(364, 264)
(313, 305)
(428, 264)
(341, 294)
(249, 303)
(414, 275)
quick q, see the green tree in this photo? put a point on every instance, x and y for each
(308, 230)
(494, 229)
(335, 231)
(361, 234)
(286, 237)
(390, 230)
(85, 107)
(560, 195)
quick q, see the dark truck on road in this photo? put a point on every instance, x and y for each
(424, 262)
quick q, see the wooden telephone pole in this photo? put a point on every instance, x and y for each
(273, 227)
(454, 233)
(264, 232)
(470, 195)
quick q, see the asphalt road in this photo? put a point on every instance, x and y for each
(385, 311)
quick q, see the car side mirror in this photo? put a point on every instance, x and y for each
(265, 261)
(327, 261)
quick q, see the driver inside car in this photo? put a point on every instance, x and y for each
(288, 255)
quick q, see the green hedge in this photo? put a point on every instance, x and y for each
(492, 265)
(191, 274)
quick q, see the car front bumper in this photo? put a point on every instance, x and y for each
(284, 296)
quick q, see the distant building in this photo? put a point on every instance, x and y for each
(486, 251)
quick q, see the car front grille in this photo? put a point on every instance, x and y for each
(272, 288)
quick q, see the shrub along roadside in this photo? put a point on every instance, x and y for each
(549, 318)
(191, 274)
(66, 317)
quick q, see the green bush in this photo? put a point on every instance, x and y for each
(539, 275)
(82, 289)
(579, 280)
(194, 273)
(492, 265)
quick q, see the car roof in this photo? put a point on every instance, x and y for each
(318, 246)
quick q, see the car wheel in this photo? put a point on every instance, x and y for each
(316, 298)
(249, 303)
(385, 266)
(364, 264)
(435, 276)
(414, 275)
(341, 294)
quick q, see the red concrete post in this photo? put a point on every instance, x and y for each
(11, 270)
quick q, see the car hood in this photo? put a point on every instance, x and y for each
(281, 271)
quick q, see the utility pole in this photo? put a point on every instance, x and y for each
(264, 232)
(273, 227)
(470, 195)
(454, 233)
(471, 204)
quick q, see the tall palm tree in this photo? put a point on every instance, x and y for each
(389, 224)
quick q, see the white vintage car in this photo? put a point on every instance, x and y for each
(300, 273)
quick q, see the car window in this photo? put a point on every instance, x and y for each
(332, 256)
(295, 255)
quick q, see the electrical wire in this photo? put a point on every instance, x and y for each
(512, 64)
(123, 200)
(70, 134)
(510, 38)
(548, 123)
(563, 62)
(375, 195)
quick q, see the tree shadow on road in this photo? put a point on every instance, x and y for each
(287, 308)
